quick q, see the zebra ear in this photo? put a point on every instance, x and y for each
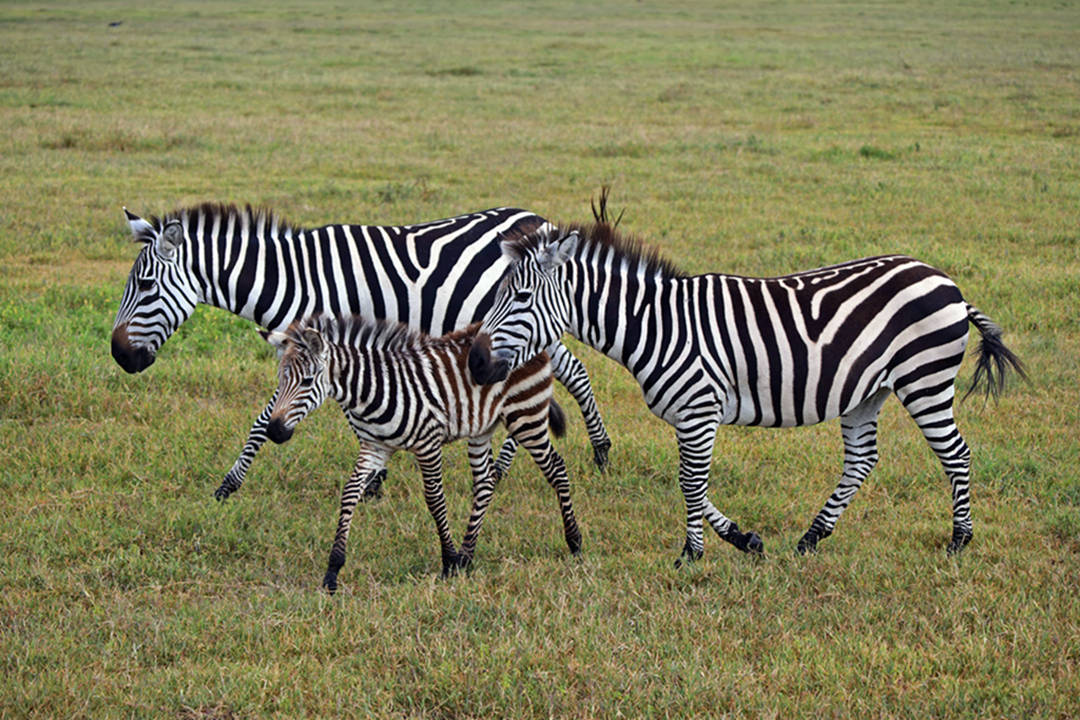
(314, 340)
(171, 237)
(277, 339)
(556, 253)
(141, 230)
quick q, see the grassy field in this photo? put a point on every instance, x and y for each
(760, 138)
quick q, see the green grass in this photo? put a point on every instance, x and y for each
(750, 138)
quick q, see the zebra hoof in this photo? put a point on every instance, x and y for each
(330, 582)
(753, 544)
(573, 541)
(451, 563)
(373, 491)
(600, 454)
(222, 492)
(807, 544)
(960, 539)
(689, 555)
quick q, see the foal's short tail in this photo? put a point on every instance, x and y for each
(994, 359)
(556, 419)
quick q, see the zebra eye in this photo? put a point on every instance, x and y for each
(306, 382)
(522, 296)
(147, 284)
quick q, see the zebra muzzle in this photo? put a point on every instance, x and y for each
(484, 367)
(278, 431)
(133, 360)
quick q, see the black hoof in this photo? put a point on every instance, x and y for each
(807, 544)
(753, 544)
(573, 541)
(689, 555)
(960, 539)
(330, 582)
(451, 563)
(221, 493)
(373, 491)
(600, 454)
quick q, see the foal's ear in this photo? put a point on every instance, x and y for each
(277, 339)
(314, 341)
(558, 251)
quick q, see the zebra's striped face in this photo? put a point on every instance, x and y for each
(158, 297)
(532, 306)
(303, 380)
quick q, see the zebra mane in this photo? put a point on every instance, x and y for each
(363, 332)
(634, 250)
(263, 221)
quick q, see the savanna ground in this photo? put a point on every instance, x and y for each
(757, 139)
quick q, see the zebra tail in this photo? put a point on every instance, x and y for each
(556, 419)
(993, 358)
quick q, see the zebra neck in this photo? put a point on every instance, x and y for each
(621, 311)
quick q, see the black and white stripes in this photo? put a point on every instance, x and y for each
(436, 277)
(785, 351)
(401, 390)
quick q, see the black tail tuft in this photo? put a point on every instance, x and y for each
(556, 419)
(993, 358)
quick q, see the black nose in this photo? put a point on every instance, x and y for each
(133, 360)
(483, 367)
(277, 431)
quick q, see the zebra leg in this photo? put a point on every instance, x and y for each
(369, 462)
(933, 412)
(859, 429)
(506, 456)
(256, 438)
(696, 436)
(569, 371)
(430, 461)
(483, 488)
(551, 464)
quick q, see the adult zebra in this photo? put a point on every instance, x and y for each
(436, 277)
(721, 349)
(401, 390)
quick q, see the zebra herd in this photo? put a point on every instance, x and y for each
(356, 313)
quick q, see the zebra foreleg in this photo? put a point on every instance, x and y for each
(368, 463)
(859, 429)
(256, 438)
(569, 371)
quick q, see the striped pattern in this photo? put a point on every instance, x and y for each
(776, 352)
(402, 390)
(436, 277)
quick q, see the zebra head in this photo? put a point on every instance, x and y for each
(303, 378)
(160, 293)
(532, 305)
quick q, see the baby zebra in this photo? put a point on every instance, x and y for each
(403, 390)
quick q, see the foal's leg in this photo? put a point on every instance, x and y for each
(256, 439)
(371, 460)
(483, 488)
(535, 439)
(859, 428)
(430, 461)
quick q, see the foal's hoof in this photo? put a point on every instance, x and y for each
(600, 454)
(807, 544)
(960, 539)
(753, 544)
(373, 491)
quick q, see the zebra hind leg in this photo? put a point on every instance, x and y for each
(859, 429)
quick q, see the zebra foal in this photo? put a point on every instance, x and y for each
(783, 351)
(403, 390)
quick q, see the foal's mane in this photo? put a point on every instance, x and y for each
(362, 332)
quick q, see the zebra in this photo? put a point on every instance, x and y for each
(403, 390)
(436, 276)
(777, 352)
